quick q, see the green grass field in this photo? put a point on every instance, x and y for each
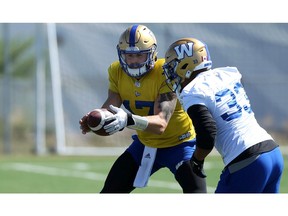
(59, 174)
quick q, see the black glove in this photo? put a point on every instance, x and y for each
(197, 167)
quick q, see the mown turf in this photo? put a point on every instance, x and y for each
(59, 174)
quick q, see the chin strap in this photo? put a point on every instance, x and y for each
(137, 122)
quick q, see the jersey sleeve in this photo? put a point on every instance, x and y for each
(194, 96)
(163, 86)
(113, 78)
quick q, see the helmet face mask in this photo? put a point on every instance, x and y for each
(182, 58)
(173, 80)
(137, 39)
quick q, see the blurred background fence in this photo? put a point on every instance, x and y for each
(53, 74)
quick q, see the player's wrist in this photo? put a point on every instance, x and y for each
(197, 160)
(130, 120)
(197, 167)
(136, 122)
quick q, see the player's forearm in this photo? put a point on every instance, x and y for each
(200, 154)
(153, 124)
(113, 98)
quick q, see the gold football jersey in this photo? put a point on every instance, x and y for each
(138, 97)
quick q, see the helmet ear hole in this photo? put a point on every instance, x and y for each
(184, 66)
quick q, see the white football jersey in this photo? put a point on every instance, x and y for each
(221, 91)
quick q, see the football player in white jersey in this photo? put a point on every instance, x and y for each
(222, 116)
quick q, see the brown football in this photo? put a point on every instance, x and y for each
(96, 121)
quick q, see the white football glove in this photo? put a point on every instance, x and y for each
(119, 123)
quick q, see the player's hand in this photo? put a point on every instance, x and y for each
(83, 124)
(197, 167)
(119, 123)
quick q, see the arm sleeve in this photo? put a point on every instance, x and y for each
(113, 77)
(205, 126)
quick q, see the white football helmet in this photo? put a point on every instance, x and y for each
(182, 58)
(137, 39)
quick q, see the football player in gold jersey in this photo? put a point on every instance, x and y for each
(165, 134)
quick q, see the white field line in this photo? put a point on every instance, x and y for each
(53, 171)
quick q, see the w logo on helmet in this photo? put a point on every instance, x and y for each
(183, 49)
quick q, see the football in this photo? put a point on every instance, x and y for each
(96, 121)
